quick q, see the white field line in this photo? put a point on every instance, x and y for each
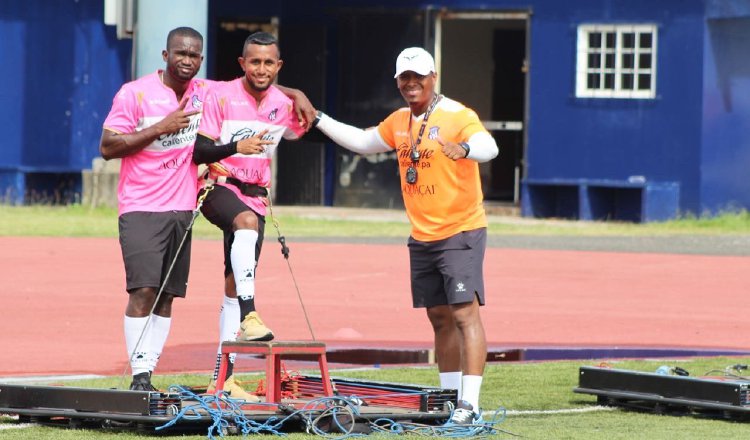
(26, 380)
(533, 412)
(16, 426)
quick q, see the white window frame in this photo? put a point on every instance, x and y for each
(619, 71)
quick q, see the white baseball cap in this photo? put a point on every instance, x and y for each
(415, 59)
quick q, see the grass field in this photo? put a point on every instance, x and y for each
(80, 221)
(538, 396)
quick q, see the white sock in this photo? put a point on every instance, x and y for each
(229, 325)
(229, 319)
(242, 256)
(133, 328)
(160, 326)
(451, 380)
(470, 390)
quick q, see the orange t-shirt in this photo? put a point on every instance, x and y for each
(447, 196)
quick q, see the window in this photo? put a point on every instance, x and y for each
(616, 61)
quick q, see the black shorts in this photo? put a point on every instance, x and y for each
(220, 208)
(448, 271)
(149, 243)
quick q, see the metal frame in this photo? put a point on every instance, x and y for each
(145, 410)
(728, 396)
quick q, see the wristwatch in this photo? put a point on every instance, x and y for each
(318, 115)
(466, 147)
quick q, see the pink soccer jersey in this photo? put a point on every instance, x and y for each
(231, 114)
(162, 176)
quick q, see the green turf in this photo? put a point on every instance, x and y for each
(537, 395)
(81, 221)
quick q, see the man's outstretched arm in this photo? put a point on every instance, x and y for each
(352, 138)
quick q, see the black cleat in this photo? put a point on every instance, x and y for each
(142, 382)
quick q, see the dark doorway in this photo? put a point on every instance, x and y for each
(494, 45)
(300, 165)
(367, 94)
(508, 104)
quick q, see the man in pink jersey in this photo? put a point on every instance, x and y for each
(243, 122)
(439, 143)
(152, 127)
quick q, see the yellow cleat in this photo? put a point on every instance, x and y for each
(234, 390)
(253, 329)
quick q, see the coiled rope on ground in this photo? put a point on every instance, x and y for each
(329, 417)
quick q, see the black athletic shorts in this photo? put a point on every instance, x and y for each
(149, 243)
(448, 271)
(220, 208)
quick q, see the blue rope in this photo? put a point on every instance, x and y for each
(340, 414)
(208, 403)
(335, 407)
(211, 405)
(479, 428)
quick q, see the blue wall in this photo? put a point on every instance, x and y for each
(658, 138)
(61, 67)
(726, 115)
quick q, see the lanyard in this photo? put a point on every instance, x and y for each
(415, 145)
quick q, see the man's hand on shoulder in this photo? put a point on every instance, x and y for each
(302, 106)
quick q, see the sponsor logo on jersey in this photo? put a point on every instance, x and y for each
(418, 190)
(245, 133)
(175, 163)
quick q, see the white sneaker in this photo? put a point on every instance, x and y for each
(464, 414)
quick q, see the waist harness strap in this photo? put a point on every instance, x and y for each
(248, 189)
(216, 173)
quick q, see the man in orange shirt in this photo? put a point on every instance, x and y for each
(439, 143)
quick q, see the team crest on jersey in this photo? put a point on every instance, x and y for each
(272, 115)
(433, 133)
(197, 103)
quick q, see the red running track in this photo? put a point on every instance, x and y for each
(62, 301)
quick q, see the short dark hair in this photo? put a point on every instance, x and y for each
(262, 38)
(184, 31)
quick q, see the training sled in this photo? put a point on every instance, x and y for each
(726, 396)
(273, 351)
(297, 400)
